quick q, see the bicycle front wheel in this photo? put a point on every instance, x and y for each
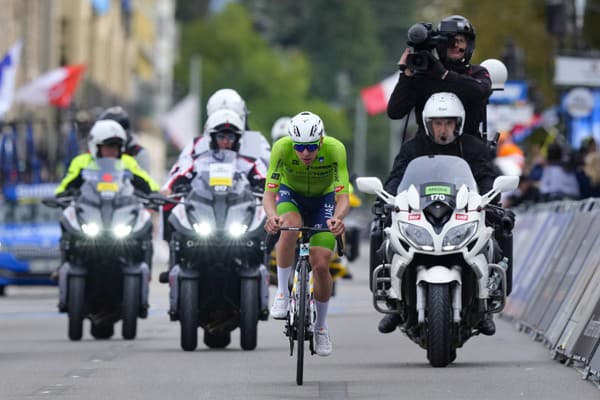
(301, 320)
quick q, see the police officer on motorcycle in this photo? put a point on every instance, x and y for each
(132, 147)
(443, 119)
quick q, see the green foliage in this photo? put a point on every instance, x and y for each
(273, 82)
(339, 38)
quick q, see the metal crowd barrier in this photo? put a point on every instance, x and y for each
(556, 280)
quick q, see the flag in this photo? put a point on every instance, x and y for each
(181, 123)
(376, 97)
(55, 87)
(8, 76)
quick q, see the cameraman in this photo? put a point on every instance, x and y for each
(454, 43)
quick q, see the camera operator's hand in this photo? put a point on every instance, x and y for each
(402, 62)
(436, 69)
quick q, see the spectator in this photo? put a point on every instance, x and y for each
(592, 170)
(559, 181)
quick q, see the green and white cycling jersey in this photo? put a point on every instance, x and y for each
(327, 173)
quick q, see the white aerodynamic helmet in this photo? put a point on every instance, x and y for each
(280, 128)
(224, 121)
(305, 127)
(443, 105)
(227, 99)
(106, 131)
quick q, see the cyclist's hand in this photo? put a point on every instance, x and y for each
(336, 226)
(272, 225)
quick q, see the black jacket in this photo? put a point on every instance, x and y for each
(473, 87)
(468, 147)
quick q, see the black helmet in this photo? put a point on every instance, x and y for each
(457, 24)
(117, 113)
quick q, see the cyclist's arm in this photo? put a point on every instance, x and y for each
(342, 206)
(269, 203)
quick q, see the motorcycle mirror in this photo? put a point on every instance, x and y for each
(369, 185)
(413, 197)
(51, 202)
(462, 197)
(505, 183)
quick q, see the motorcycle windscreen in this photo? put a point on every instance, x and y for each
(447, 170)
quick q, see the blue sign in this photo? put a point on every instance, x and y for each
(583, 127)
(514, 91)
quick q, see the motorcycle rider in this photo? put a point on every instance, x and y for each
(224, 130)
(253, 146)
(308, 171)
(453, 72)
(107, 139)
(279, 129)
(132, 147)
(443, 120)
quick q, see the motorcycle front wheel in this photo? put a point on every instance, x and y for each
(188, 314)
(248, 313)
(440, 343)
(131, 305)
(76, 304)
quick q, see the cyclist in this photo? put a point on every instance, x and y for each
(308, 171)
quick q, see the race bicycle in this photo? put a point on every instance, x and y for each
(302, 313)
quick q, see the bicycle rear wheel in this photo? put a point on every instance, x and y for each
(301, 321)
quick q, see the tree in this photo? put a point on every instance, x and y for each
(273, 82)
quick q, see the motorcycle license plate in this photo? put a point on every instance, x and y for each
(107, 187)
(221, 174)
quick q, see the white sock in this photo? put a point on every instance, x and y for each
(283, 277)
(321, 322)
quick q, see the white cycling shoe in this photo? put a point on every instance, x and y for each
(280, 306)
(323, 346)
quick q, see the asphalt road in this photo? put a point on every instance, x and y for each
(38, 361)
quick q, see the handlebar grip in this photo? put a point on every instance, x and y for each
(340, 245)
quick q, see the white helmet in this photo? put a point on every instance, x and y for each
(443, 105)
(305, 127)
(227, 99)
(106, 131)
(280, 128)
(224, 120)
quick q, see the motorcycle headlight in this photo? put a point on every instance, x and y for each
(236, 229)
(417, 236)
(203, 228)
(92, 229)
(122, 230)
(458, 236)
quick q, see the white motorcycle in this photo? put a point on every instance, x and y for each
(442, 271)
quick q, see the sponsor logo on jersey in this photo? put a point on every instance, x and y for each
(272, 185)
(275, 175)
(462, 217)
(321, 159)
(414, 217)
(339, 188)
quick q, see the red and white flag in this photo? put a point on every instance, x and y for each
(375, 98)
(55, 87)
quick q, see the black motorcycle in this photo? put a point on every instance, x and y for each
(106, 247)
(217, 280)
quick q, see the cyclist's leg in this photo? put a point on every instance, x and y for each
(285, 249)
